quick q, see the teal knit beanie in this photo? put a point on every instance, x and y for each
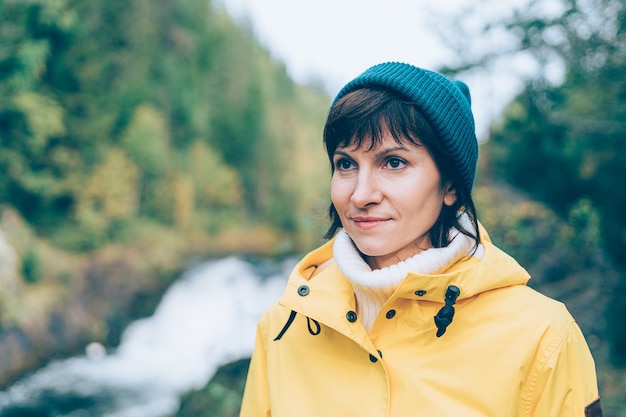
(445, 103)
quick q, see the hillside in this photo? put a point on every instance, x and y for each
(136, 137)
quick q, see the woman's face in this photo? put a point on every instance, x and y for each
(388, 198)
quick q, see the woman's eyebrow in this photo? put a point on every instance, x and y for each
(392, 150)
(382, 153)
(342, 153)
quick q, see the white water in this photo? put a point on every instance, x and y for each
(206, 319)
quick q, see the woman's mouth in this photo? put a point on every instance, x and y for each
(367, 223)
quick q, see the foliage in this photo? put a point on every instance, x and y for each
(117, 112)
(536, 235)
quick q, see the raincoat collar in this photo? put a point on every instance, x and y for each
(318, 289)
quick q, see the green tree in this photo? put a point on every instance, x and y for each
(146, 141)
(34, 161)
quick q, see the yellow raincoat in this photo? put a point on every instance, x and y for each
(509, 350)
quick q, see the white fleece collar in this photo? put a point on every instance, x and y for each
(430, 261)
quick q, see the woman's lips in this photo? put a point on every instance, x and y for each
(368, 222)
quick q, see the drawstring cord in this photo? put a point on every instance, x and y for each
(317, 330)
(313, 331)
(446, 314)
(292, 316)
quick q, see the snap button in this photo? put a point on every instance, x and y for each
(390, 314)
(373, 358)
(303, 290)
(420, 293)
(351, 316)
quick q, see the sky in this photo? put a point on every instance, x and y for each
(333, 41)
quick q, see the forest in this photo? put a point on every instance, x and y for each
(139, 135)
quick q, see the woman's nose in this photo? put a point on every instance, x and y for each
(366, 190)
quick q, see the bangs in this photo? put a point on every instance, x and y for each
(361, 118)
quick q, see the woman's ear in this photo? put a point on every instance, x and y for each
(449, 196)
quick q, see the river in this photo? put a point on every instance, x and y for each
(207, 318)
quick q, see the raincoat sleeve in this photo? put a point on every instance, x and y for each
(255, 401)
(565, 384)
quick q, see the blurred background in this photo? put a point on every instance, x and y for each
(161, 170)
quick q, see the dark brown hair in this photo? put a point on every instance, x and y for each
(361, 117)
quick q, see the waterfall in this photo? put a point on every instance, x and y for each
(205, 319)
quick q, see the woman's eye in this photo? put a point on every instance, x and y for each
(395, 163)
(344, 164)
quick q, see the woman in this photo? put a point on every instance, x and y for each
(409, 309)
